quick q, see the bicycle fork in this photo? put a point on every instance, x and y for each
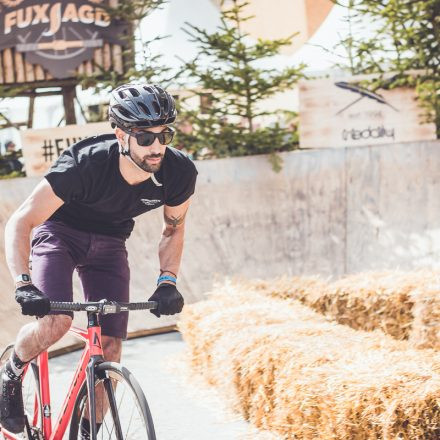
(96, 357)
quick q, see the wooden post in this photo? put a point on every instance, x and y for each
(69, 95)
(30, 122)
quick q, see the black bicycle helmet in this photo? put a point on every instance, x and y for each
(141, 105)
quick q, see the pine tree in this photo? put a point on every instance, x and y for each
(140, 62)
(232, 72)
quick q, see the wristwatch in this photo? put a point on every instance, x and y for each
(23, 279)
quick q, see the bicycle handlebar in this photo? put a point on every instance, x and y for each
(103, 307)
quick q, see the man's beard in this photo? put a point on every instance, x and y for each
(148, 167)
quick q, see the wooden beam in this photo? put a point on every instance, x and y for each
(31, 112)
(29, 72)
(117, 59)
(69, 95)
(131, 335)
(98, 59)
(19, 67)
(8, 64)
(39, 73)
(107, 57)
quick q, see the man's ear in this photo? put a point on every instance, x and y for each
(120, 135)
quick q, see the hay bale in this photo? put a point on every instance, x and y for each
(397, 303)
(425, 330)
(371, 301)
(290, 370)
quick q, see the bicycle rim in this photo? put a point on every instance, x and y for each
(31, 392)
(121, 407)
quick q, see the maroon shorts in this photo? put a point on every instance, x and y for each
(101, 263)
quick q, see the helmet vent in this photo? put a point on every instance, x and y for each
(121, 94)
(124, 112)
(144, 108)
(156, 107)
(134, 92)
(149, 89)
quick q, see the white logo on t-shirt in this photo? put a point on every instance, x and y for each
(150, 202)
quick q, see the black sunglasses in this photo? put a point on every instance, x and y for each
(146, 138)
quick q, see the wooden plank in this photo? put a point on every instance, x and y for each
(29, 71)
(69, 95)
(80, 70)
(8, 63)
(98, 58)
(2, 77)
(19, 67)
(117, 59)
(39, 73)
(89, 68)
(31, 112)
(107, 57)
(73, 346)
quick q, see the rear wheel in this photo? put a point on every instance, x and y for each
(121, 408)
(31, 393)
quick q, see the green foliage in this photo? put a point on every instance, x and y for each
(141, 64)
(211, 138)
(229, 69)
(8, 166)
(12, 175)
(405, 36)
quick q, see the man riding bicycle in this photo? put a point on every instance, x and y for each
(81, 214)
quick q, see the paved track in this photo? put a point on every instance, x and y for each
(182, 408)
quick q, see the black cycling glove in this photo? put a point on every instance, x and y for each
(169, 300)
(33, 302)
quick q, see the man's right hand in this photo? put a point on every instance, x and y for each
(33, 302)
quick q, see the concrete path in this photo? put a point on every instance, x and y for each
(183, 408)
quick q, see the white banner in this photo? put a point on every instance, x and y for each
(42, 147)
(339, 113)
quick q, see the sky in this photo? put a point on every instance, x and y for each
(203, 13)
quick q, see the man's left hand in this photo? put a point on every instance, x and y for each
(169, 300)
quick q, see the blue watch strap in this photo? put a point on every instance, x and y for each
(166, 278)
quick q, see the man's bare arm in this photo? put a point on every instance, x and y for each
(171, 243)
(37, 208)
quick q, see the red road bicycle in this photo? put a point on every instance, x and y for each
(105, 393)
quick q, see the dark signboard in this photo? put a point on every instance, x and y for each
(58, 35)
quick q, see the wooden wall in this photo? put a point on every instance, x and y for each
(15, 70)
(328, 212)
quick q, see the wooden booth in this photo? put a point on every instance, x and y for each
(45, 46)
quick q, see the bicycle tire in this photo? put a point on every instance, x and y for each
(104, 374)
(31, 393)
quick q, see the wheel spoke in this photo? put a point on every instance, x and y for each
(122, 409)
(114, 411)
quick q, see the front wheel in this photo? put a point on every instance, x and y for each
(122, 411)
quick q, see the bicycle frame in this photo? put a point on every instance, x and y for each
(92, 355)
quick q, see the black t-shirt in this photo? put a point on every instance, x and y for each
(98, 199)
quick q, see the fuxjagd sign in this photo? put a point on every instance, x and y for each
(58, 35)
(340, 113)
